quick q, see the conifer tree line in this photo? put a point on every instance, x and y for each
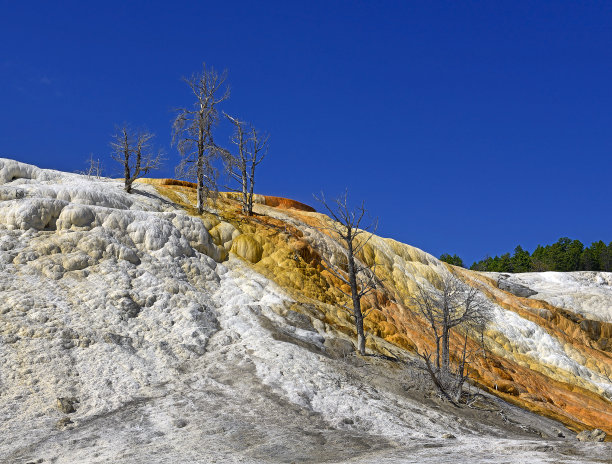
(563, 256)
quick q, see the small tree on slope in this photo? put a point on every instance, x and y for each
(252, 147)
(94, 167)
(135, 153)
(192, 131)
(360, 278)
(454, 306)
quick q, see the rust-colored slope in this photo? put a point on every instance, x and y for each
(571, 402)
(282, 251)
(573, 405)
(268, 200)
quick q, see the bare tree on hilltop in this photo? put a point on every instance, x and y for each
(134, 152)
(94, 167)
(192, 132)
(252, 148)
(360, 278)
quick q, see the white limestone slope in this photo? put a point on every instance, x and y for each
(171, 353)
(587, 293)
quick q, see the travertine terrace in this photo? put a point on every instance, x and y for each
(134, 330)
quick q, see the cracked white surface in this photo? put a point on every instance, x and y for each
(586, 293)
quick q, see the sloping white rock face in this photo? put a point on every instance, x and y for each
(586, 293)
(102, 293)
(119, 305)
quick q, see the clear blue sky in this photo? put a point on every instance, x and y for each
(467, 127)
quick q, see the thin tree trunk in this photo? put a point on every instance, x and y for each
(251, 188)
(245, 193)
(461, 376)
(126, 162)
(200, 169)
(131, 177)
(361, 340)
(200, 186)
(445, 349)
(127, 183)
(356, 301)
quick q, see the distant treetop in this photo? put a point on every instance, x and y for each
(454, 259)
(565, 255)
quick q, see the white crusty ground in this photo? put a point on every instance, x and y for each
(121, 301)
(587, 293)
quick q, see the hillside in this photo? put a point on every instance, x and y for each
(133, 329)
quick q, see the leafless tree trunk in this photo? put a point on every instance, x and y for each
(258, 149)
(252, 148)
(461, 374)
(134, 152)
(94, 167)
(357, 276)
(453, 306)
(192, 132)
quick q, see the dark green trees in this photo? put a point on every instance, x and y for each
(598, 257)
(563, 256)
(454, 259)
(521, 261)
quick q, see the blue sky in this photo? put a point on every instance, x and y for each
(467, 127)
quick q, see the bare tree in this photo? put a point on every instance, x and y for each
(454, 306)
(192, 131)
(135, 153)
(94, 167)
(252, 148)
(359, 277)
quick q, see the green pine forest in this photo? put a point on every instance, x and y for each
(564, 255)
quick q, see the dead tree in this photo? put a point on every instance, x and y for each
(455, 306)
(94, 167)
(135, 153)
(360, 278)
(192, 132)
(252, 147)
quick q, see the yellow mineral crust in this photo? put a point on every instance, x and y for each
(284, 245)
